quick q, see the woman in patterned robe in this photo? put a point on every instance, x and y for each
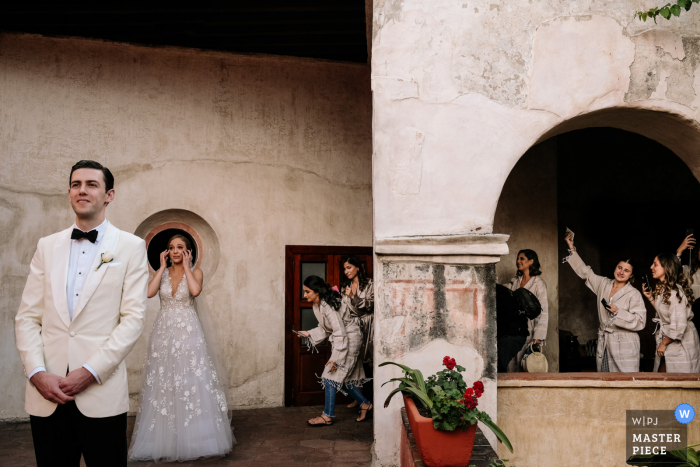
(344, 371)
(676, 336)
(358, 291)
(618, 342)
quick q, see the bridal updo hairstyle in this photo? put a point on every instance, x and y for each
(187, 243)
(535, 266)
(324, 291)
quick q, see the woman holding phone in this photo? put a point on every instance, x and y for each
(344, 371)
(528, 276)
(676, 336)
(621, 312)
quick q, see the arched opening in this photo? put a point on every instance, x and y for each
(159, 243)
(624, 195)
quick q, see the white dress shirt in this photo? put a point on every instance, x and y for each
(82, 254)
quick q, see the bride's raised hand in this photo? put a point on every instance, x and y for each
(186, 258)
(164, 259)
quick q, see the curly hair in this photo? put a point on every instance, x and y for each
(674, 279)
(324, 290)
(361, 273)
(535, 266)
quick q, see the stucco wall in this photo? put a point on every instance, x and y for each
(554, 423)
(269, 151)
(527, 211)
(463, 89)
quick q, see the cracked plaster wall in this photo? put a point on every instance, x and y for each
(481, 82)
(424, 312)
(267, 150)
(463, 89)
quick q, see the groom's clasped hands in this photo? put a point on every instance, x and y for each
(61, 390)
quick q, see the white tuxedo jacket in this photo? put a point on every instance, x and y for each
(107, 320)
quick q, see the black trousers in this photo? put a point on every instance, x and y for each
(61, 438)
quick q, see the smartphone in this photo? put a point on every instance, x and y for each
(605, 304)
(689, 232)
(646, 282)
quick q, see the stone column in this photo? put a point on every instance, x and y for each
(435, 296)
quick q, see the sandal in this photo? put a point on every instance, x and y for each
(325, 422)
(366, 412)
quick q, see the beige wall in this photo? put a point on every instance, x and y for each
(269, 151)
(527, 211)
(581, 424)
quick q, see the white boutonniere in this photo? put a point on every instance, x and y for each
(107, 257)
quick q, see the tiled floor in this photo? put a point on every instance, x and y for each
(266, 437)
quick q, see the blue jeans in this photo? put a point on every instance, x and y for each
(329, 409)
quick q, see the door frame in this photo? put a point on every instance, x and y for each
(289, 291)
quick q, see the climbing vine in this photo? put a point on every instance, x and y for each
(667, 10)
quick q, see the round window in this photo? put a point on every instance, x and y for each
(159, 243)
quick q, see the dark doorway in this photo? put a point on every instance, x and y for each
(302, 386)
(623, 195)
(159, 243)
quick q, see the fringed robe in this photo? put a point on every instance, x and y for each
(537, 328)
(345, 336)
(673, 320)
(362, 307)
(616, 333)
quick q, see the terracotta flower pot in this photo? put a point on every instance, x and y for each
(439, 448)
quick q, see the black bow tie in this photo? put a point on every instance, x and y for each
(79, 234)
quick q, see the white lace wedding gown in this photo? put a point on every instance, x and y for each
(182, 411)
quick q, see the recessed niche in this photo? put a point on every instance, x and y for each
(159, 243)
(157, 229)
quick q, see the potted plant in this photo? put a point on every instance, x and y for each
(444, 421)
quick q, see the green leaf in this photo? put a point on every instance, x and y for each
(403, 367)
(420, 380)
(497, 431)
(423, 397)
(665, 12)
(682, 3)
(644, 17)
(693, 457)
(391, 394)
(676, 10)
(403, 380)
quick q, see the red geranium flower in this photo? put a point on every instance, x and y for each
(479, 386)
(450, 363)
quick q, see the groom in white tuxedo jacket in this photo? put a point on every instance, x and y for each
(82, 310)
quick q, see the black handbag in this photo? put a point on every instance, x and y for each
(527, 303)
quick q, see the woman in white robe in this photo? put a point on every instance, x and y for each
(618, 341)
(529, 277)
(676, 337)
(344, 371)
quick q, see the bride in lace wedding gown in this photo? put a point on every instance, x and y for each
(182, 411)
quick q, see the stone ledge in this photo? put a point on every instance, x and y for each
(410, 457)
(600, 380)
(447, 245)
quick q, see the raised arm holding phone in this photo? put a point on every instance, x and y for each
(621, 312)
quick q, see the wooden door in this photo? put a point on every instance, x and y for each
(302, 386)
